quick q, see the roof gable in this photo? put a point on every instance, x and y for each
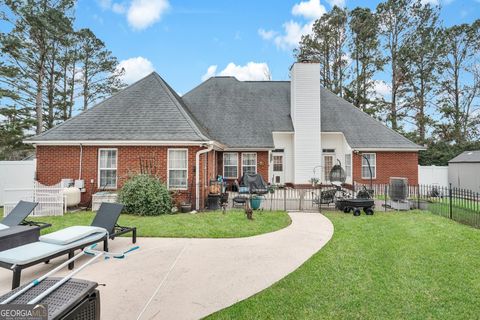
(148, 110)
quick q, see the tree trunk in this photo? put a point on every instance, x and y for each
(39, 98)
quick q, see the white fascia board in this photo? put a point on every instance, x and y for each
(118, 143)
(388, 149)
(248, 149)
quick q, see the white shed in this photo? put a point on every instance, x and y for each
(464, 171)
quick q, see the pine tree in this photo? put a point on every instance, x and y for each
(366, 58)
(395, 21)
(99, 73)
(419, 59)
(460, 83)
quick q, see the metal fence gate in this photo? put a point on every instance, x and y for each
(302, 199)
(50, 199)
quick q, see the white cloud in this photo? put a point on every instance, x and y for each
(381, 89)
(210, 72)
(432, 2)
(338, 3)
(311, 9)
(253, 71)
(143, 13)
(266, 34)
(293, 32)
(135, 68)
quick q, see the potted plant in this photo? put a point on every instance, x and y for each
(314, 181)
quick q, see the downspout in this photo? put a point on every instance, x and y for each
(80, 165)
(197, 174)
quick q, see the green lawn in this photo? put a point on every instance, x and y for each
(412, 265)
(202, 225)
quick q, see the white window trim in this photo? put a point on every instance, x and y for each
(99, 169)
(256, 160)
(168, 168)
(223, 165)
(349, 172)
(273, 162)
(374, 169)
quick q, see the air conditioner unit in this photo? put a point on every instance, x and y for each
(398, 190)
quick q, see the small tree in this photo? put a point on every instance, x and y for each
(145, 195)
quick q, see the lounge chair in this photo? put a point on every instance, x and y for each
(66, 241)
(18, 215)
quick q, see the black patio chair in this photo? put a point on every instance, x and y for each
(25, 256)
(19, 214)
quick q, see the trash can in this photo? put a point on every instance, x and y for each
(255, 203)
(213, 202)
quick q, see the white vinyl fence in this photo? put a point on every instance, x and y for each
(16, 174)
(433, 175)
(50, 199)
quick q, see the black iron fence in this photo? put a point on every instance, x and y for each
(461, 205)
(458, 204)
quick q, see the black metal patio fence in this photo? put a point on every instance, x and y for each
(461, 205)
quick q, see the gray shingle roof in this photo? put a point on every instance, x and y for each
(148, 110)
(244, 114)
(360, 129)
(241, 113)
(467, 156)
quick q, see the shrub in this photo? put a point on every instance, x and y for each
(145, 195)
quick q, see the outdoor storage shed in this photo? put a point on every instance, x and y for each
(464, 171)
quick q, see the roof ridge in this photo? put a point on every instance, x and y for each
(198, 86)
(180, 108)
(91, 108)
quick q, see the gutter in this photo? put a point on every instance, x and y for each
(197, 174)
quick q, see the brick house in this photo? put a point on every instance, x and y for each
(288, 131)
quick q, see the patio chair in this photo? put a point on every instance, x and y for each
(66, 241)
(18, 215)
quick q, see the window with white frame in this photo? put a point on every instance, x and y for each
(249, 163)
(177, 168)
(372, 159)
(348, 165)
(230, 165)
(107, 168)
(278, 163)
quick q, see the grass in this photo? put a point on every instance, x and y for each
(215, 224)
(402, 265)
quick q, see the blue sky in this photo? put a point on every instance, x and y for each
(182, 40)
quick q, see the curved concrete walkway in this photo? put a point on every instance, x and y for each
(191, 278)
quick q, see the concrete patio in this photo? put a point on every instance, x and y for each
(191, 278)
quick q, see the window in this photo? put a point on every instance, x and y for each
(249, 163)
(372, 158)
(177, 168)
(230, 165)
(278, 163)
(107, 168)
(327, 166)
(348, 165)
